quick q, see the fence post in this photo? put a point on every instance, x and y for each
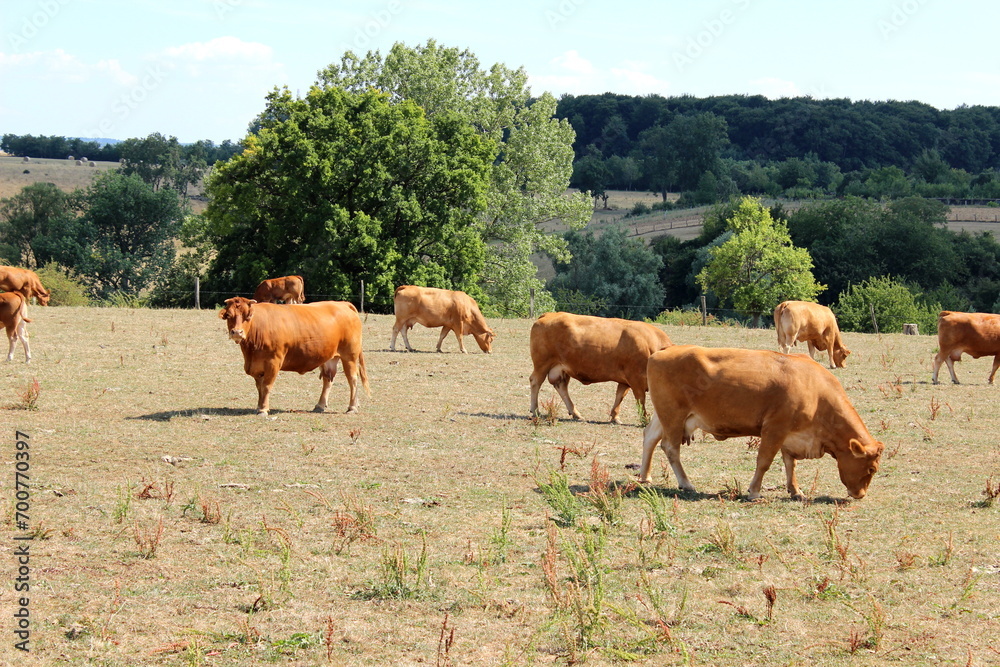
(362, 297)
(197, 293)
(704, 311)
(531, 303)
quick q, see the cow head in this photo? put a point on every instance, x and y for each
(840, 356)
(857, 464)
(43, 297)
(485, 340)
(237, 313)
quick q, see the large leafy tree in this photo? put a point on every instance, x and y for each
(343, 186)
(532, 158)
(758, 267)
(129, 230)
(40, 225)
(616, 272)
(163, 162)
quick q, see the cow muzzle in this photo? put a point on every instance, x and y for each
(237, 335)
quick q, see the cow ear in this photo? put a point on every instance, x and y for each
(222, 314)
(857, 449)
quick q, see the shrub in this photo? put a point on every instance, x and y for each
(65, 286)
(894, 304)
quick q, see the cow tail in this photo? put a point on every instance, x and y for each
(23, 310)
(363, 372)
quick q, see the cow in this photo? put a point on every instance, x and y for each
(790, 402)
(592, 349)
(297, 338)
(974, 334)
(13, 316)
(817, 325)
(287, 289)
(449, 309)
(25, 282)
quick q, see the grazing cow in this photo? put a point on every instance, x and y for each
(297, 338)
(25, 282)
(813, 323)
(791, 403)
(592, 349)
(287, 289)
(12, 314)
(975, 334)
(432, 307)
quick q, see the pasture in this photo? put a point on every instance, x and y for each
(173, 526)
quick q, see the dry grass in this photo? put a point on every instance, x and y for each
(241, 541)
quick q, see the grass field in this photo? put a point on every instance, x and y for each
(174, 527)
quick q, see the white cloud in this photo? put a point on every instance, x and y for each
(637, 82)
(572, 73)
(573, 62)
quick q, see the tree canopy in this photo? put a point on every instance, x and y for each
(758, 267)
(343, 186)
(532, 159)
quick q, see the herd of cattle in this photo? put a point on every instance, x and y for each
(790, 402)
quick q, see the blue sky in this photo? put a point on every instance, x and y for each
(199, 69)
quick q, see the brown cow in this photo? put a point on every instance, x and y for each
(25, 282)
(297, 338)
(792, 403)
(287, 289)
(13, 307)
(432, 307)
(592, 349)
(974, 334)
(813, 323)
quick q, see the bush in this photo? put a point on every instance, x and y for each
(65, 286)
(121, 299)
(684, 318)
(894, 305)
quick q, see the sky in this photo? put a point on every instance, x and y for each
(200, 69)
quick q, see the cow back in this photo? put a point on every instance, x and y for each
(304, 335)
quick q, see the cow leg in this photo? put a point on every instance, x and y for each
(12, 339)
(395, 332)
(535, 382)
(560, 381)
(769, 447)
(670, 443)
(812, 350)
(616, 408)
(22, 333)
(460, 335)
(444, 332)
(791, 483)
(406, 340)
(351, 373)
(996, 364)
(950, 360)
(265, 381)
(327, 372)
(938, 359)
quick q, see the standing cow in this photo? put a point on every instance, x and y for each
(297, 338)
(13, 316)
(592, 349)
(432, 307)
(287, 289)
(25, 282)
(815, 324)
(791, 403)
(974, 334)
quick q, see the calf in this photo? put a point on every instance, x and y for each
(451, 310)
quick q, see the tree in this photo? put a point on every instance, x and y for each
(130, 230)
(592, 175)
(758, 267)
(341, 187)
(531, 164)
(619, 273)
(40, 225)
(162, 162)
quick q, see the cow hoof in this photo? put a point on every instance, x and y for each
(262, 413)
(798, 496)
(616, 420)
(351, 409)
(319, 408)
